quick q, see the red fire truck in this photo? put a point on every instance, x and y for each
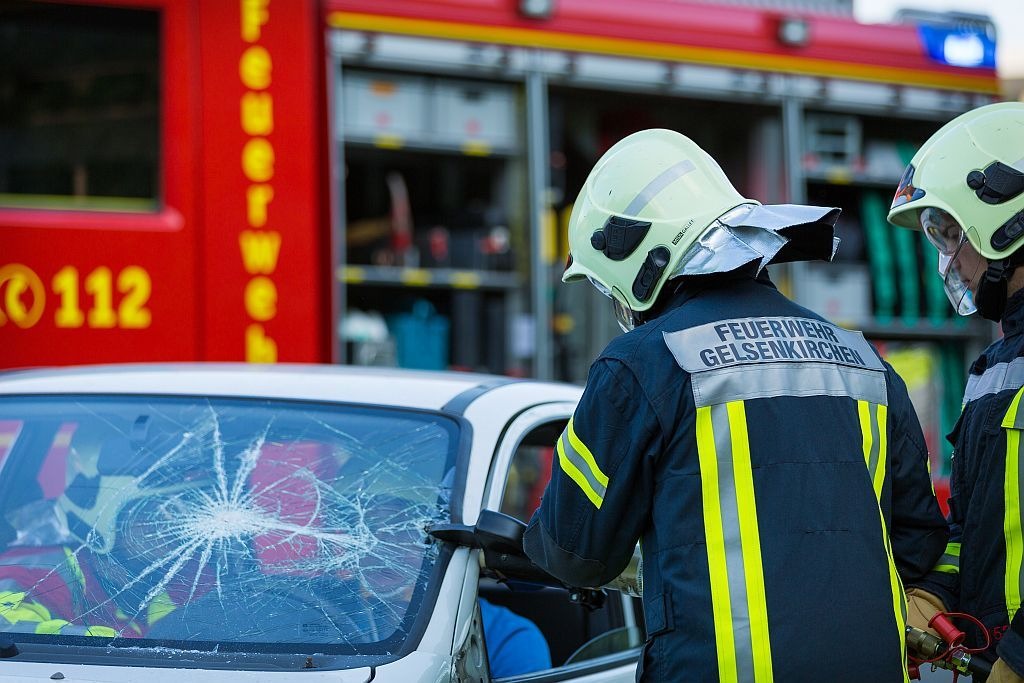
(241, 180)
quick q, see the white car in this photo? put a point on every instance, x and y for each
(276, 523)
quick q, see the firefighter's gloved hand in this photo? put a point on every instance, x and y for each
(1002, 673)
(921, 607)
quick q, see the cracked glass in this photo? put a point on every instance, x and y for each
(219, 524)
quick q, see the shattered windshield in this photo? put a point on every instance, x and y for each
(244, 525)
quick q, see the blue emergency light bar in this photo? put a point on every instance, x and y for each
(959, 45)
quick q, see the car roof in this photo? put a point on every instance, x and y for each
(349, 384)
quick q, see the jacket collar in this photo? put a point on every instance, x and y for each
(690, 287)
(1013, 315)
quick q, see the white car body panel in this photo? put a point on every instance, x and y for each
(515, 431)
(489, 415)
(416, 667)
(436, 642)
(303, 382)
(20, 672)
(500, 415)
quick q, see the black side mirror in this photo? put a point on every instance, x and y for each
(500, 533)
(494, 531)
(500, 537)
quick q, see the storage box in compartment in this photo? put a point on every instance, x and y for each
(385, 108)
(477, 116)
(882, 160)
(839, 291)
(832, 144)
(421, 337)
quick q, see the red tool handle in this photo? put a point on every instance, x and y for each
(947, 631)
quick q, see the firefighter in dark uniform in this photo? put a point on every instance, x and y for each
(768, 461)
(965, 189)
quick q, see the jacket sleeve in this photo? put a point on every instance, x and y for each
(917, 530)
(1011, 646)
(598, 502)
(944, 578)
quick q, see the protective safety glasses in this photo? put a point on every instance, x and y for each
(942, 230)
(623, 313)
(959, 265)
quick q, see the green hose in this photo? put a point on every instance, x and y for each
(880, 255)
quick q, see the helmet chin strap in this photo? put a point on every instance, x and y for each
(990, 298)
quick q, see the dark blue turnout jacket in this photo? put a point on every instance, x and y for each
(774, 471)
(981, 571)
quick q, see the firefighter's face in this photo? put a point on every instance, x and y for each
(971, 265)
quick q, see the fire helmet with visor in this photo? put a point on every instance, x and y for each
(109, 476)
(647, 200)
(657, 208)
(965, 190)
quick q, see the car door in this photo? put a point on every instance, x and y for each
(586, 642)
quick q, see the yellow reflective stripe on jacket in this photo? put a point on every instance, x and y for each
(739, 607)
(103, 631)
(578, 462)
(1011, 516)
(13, 608)
(750, 539)
(874, 426)
(56, 627)
(75, 568)
(718, 573)
(159, 607)
(873, 441)
(949, 563)
(131, 624)
(51, 627)
(928, 467)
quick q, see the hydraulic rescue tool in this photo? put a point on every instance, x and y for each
(947, 651)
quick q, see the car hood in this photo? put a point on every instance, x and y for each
(21, 672)
(417, 667)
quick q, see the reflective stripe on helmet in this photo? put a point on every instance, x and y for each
(660, 182)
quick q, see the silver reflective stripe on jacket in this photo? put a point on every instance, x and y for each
(810, 379)
(748, 358)
(735, 566)
(999, 377)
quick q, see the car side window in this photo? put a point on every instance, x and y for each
(528, 476)
(573, 632)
